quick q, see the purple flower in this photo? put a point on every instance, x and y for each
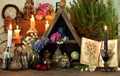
(58, 36)
(55, 37)
(52, 38)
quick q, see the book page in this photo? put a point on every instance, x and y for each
(91, 52)
(113, 53)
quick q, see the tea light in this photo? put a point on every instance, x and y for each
(17, 32)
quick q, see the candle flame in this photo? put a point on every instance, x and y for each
(32, 17)
(10, 26)
(17, 27)
(105, 27)
(47, 22)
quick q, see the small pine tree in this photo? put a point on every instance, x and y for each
(90, 16)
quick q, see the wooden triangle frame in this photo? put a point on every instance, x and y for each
(69, 25)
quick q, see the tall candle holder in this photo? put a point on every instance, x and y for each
(105, 57)
(32, 25)
(6, 58)
(105, 52)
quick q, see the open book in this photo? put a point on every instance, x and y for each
(91, 52)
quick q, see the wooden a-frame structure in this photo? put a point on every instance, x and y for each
(62, 13)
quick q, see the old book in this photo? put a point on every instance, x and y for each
(91, 52)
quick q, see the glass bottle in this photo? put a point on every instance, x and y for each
(6, 58)
(57, 56)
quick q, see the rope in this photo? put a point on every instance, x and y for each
(3, 42)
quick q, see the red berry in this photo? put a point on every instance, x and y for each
(48, 66)
(44, 67)
(38, 66)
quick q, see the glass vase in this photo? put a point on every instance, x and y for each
(57, 56)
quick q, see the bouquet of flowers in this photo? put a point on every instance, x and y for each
(43, 9)
(57, 37)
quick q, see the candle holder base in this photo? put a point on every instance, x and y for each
(6, 58)
(106, 69)
(106, 57)
(32, 30)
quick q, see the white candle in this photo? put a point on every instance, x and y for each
(32, 22)
(46, 25)
(17, 32)
(9, 36)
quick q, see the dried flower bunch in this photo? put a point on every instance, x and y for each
(45, 10)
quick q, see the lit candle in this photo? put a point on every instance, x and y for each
(9, 41)
(17, 32)
(46, 25)
(105, 39)
(32, 22)
(32, 25)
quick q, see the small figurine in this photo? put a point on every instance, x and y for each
(64, 62)
(46, 59)
(31, 1)
(18, 18)
(28, 9)
(24, 59)
(8, 20)
(62, 3)
(16, 64)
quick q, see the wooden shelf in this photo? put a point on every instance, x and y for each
(70, 41)
(67, 41)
